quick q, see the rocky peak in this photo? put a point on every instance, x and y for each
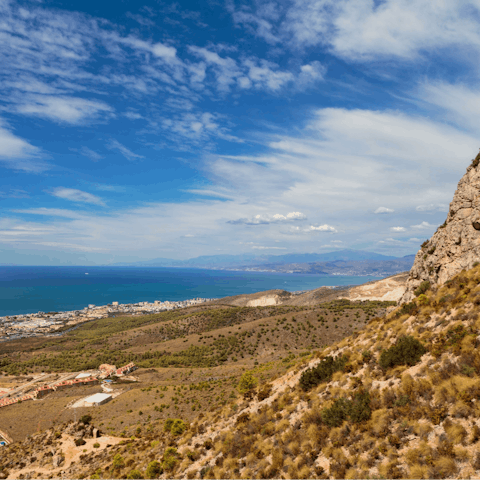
(456, 244)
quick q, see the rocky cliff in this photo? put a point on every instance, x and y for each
(456, 244)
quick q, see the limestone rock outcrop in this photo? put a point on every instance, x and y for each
(456, 244)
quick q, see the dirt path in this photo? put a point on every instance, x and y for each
(70, 452)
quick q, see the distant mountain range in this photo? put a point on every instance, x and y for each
(331, 263)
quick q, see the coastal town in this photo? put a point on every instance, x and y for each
(54, 323)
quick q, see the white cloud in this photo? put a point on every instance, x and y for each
(256, 73)
(414, 239)
(398, 229)
(342, 159)
(391, 242)
(423, 226)
(63, 109)
(384, 210)
(87, 152)
(194, 128)
(265, 219)
(432, 207)
(76, 196)
(17, 153)
(363, 29)
(128, 154)
(313, 228)
(260, 247)
(321, 228)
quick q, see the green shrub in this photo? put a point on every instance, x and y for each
(79, 442)
(406, 351)
(422, 288)
(96, 445)
(337, 413)
(247, 382)
(423, 299)
(366, 356)
(86, 419)
(408, 308)
(135, 474)
(322, 372)
(153, 470)
(118, 462)
(175, 426)
(265, 392)
(170, 458)
(360, 410)
(357, 410)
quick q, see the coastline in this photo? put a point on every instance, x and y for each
(50, 323)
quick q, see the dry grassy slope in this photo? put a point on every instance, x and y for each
(424, 419)
(387, 289)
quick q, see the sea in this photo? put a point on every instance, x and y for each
(33, 289)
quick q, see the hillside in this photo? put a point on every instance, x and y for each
(189, 360)
(397, 399)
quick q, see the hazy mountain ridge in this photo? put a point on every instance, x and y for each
(303, 262)
(341, 267)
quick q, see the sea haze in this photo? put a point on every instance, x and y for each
(33, 289)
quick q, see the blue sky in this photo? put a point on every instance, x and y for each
(135, 130)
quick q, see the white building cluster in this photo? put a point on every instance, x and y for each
(41, 323)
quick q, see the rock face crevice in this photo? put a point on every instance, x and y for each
(456, 244)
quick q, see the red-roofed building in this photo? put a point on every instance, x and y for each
(126, 369)
(45, 390)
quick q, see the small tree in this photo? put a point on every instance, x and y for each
(118, 462)
(175, 426)
(247, 382)
(154, 469)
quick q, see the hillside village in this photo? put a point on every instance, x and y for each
(397, 396)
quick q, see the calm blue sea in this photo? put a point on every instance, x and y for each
(33, 289)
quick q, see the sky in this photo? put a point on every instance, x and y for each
(133, 130)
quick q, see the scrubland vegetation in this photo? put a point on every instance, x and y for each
(203, 338)
(398, 397)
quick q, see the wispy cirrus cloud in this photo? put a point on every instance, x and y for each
(89, 153)
(127, 153)
(363, 31)
(63, 109)
(77, 196)
(432, 207)
(17, 153)
(14, 193)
